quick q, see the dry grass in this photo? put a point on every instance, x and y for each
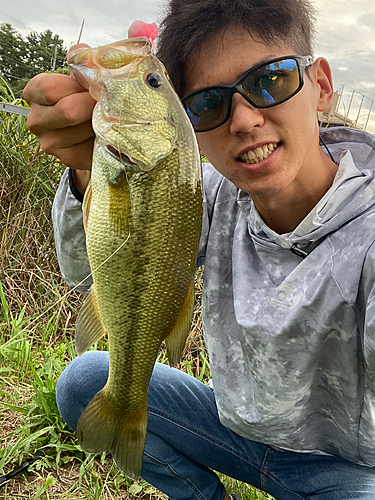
(36, 333)
(31, 283)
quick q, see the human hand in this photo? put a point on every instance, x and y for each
(60, 116)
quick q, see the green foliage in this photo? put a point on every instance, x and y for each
(12, 53)
(36, 339)
(6, 91)
(22, 58)
(243, 490)
(40, 51)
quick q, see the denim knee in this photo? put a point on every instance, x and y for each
(78, 384)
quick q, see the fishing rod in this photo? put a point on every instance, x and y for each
(23, 467)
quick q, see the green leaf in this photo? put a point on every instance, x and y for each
(18, 409)
(50, 481)
(135, 488)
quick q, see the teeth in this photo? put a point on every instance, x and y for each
(251, 155)
(258, 154)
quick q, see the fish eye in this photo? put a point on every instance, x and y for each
(154, 80)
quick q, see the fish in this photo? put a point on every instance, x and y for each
(142, 215)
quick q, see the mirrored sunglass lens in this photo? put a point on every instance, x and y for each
(207, 109)
(273, 82)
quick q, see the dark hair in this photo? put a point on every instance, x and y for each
(188, 24)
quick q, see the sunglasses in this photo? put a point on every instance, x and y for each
(264, 86)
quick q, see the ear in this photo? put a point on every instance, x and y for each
(323, 78)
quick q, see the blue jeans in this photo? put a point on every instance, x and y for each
(185, 441)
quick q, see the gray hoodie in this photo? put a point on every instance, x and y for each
(291, 338)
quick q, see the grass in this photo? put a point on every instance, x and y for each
(36, 340)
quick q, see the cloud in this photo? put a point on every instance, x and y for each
(367, 20)
(104, 22)
(367, 85)
(345, 29)
(347, 39)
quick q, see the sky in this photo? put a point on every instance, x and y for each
(346, 36)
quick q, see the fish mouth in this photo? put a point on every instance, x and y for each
(117, 154)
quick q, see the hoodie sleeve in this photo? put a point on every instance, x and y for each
(70, 238)
(212, 181)
(367, 419)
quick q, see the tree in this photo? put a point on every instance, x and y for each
(12, 53)
(21, 59)
(40, 50)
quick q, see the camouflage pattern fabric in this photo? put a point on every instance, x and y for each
(291, 340)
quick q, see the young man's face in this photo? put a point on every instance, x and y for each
(297, 161)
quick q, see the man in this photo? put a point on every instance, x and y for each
(287, 242)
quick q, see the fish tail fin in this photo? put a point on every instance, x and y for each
(130, 443)
(100, 428)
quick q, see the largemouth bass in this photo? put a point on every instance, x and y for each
(142, 216)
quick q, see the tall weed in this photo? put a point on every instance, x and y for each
(36, 340)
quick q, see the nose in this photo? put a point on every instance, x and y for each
(244, 117)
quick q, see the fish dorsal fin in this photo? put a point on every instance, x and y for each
(176, 339)
(89, 327)
(87, 204)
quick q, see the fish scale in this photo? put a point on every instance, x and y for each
(142, 215)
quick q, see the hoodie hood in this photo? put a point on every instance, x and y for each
(352, 192)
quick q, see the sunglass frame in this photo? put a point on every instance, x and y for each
(302, 63)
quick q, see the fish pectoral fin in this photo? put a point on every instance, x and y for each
(176, 339)
(100, 428)
(89, 327)
(86, 205)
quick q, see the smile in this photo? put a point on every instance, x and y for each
(258, 154)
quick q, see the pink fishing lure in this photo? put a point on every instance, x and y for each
(139, 28)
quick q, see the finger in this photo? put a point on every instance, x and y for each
(51, 142)
(77, 157)
(47, 89)
(67, 112)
